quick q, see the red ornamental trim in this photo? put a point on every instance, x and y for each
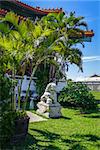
(89, 33)
(3, 12)
(37, 9)
(86, 33)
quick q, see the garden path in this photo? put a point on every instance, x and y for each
(35, 117)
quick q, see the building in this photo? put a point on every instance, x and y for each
(93, 82)
(26, 11)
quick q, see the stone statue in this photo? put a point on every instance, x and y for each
(50, 95)
(48, 105)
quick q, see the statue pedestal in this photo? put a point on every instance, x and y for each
(49, 110)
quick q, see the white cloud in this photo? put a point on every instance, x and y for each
(91, 58)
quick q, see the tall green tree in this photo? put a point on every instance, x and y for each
(43, 41)
(67, 30)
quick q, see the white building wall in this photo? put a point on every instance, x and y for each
(25, 84)
(94, 86)
(61, 85)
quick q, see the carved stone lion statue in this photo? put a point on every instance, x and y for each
(48, 105)
(50, 95)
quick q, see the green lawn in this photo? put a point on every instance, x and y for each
(96, 94)
(74, 131)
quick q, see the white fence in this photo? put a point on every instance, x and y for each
(94, 86)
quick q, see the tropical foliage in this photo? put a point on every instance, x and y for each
(63, 40)
(77, 95)
(67, 33)
(50, 40)
(44, 41)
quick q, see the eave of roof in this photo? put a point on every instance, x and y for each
(3, 12)
(37, 9)
(86, 33)
(89, 33)
(95, 75)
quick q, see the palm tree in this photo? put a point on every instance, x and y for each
(46, 40)
(68, 30)
(20, 42)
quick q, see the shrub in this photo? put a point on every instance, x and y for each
(77, 95)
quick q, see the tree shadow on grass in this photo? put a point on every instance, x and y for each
(48, 135)
(63, 117)
(92, 116)
(77, 146)
(22, 145)
(32, 143)
(92, 138)
(69, 141)
(45, 140)
(80, 137)
(98, 145)
(72, 144)
(87, 137)
(91, 111)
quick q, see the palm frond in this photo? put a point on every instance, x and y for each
(12, 18)
(83, 23)
(4, 28)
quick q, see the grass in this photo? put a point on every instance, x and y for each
(74, 131)
(96, 95)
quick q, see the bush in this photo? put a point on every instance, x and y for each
(77, 95)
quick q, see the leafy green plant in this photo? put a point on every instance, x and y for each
(7, 125)
(77, 94)
(42, 75)
(40, 41)
(46, 39)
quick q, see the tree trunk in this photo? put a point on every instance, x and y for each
(27, 92)
(52, 73)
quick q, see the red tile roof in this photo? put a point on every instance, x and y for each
(3, 12)
(41, 11)
(37, 9)
(86, 33)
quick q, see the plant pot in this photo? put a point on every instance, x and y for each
(21, 130)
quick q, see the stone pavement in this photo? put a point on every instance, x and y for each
(35, 117)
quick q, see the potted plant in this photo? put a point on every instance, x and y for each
(13, 120)
(13, 123)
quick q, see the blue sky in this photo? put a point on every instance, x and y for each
(90, 9)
